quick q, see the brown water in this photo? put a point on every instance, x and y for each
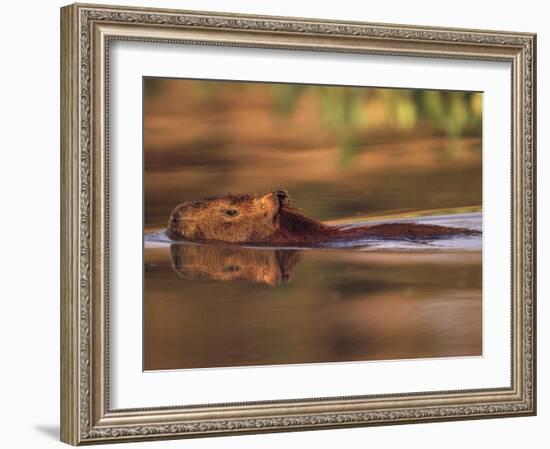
(221, 305)
(215, 305)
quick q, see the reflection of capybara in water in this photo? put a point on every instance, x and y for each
(233, 263)
(269, 218)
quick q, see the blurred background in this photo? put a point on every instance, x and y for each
(340, 151)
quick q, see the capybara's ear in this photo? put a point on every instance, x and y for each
(270, 202)
(275, 200)
(284, 198)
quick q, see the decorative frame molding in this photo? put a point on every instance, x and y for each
(86, 32)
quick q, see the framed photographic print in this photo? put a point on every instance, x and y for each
(279, 224)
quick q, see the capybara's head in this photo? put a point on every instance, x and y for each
(229, 218)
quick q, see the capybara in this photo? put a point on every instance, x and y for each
(269, 218)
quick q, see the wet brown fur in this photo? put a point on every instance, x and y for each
(269, 218)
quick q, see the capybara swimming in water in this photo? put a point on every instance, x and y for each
(269, 218)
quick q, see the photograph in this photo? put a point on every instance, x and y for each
(276, 221)
(290, 223)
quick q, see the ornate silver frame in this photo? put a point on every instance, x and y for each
(87, 31)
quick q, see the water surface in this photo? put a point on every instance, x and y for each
(214, 305)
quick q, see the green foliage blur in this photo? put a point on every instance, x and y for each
(354, 114)
(351, 112)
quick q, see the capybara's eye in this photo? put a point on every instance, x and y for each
(231, 212)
